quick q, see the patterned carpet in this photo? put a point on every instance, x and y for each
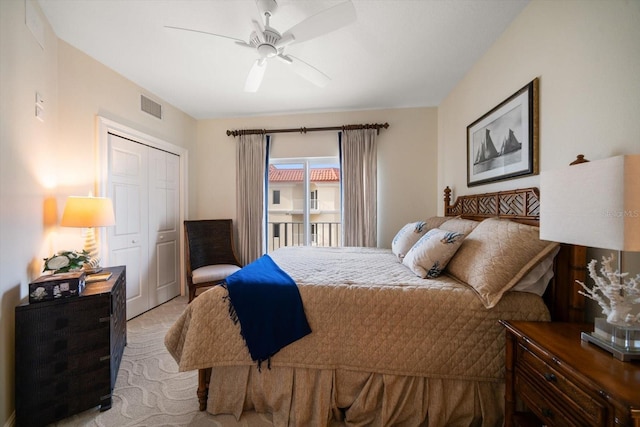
(149, 390)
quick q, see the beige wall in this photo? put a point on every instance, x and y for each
(26, 152)
(407, 162)
(587, 57)
(87, 89)
(54, 158)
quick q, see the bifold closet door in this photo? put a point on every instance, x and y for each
(164, 226)
(143, 183)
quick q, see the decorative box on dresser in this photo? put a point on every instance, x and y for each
(68, 351)
(554, 378)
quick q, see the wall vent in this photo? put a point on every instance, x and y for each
(150, 107)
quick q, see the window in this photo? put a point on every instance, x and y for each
(308, 210)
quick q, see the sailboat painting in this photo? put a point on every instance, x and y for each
(503, 144)
(489, 155)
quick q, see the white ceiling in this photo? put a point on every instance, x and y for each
(398, 53)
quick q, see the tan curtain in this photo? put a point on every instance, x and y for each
(251, 159)
(359, 183)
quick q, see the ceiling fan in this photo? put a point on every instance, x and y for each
(270, 43)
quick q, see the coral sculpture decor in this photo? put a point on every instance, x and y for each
(616, 294)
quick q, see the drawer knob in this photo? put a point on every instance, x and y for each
(550, 377)
(548, 413)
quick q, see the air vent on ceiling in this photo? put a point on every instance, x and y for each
(151, 107)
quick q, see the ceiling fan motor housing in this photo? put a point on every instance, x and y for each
(266, 49)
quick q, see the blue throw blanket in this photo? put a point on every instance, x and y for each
(268, 306)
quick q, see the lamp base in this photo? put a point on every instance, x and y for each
(92, 266)
(622, 341)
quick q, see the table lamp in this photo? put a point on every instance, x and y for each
(597, 204)
(89, 212)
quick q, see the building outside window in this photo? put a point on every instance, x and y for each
(296, 220)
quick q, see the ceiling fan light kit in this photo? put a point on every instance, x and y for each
(269, 43)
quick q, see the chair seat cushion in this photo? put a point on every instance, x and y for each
(212, 273)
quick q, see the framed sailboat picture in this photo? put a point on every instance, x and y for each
(503, 143)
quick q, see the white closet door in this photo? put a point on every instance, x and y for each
(128, 183)
(164, 226)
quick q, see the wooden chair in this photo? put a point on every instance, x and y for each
(210, 253)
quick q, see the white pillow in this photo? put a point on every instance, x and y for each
(407, 237)
(537, 280)
(430, 255)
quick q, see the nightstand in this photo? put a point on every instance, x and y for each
(554, 378)
(68, 351)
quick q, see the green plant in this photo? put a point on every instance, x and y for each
(65, 261)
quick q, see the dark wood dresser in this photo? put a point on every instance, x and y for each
(564, 381)
(68, 351)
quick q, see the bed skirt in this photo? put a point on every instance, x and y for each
(314, 397)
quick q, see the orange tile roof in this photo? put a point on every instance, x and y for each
(295, 175)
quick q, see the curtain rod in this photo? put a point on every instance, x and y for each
(375, 126)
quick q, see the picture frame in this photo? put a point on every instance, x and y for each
(503, 143)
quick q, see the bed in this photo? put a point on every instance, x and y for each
(387, 346)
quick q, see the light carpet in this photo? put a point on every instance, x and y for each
(149, 390)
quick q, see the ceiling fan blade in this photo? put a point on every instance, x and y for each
(245, 44)
(306, 70)
(323, 22)
(285, 41)
(259, 31)
(254, 78)
(239, 41)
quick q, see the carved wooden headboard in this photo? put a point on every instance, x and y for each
(523, 205)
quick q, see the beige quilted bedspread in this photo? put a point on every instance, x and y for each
(368, 313)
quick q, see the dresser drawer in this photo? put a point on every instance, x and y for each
(545, 409)
(558, 391)
(62, 345)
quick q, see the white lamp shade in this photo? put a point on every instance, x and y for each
(594, 204)
(88, 212)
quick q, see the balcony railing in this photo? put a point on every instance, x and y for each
(324, 234)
